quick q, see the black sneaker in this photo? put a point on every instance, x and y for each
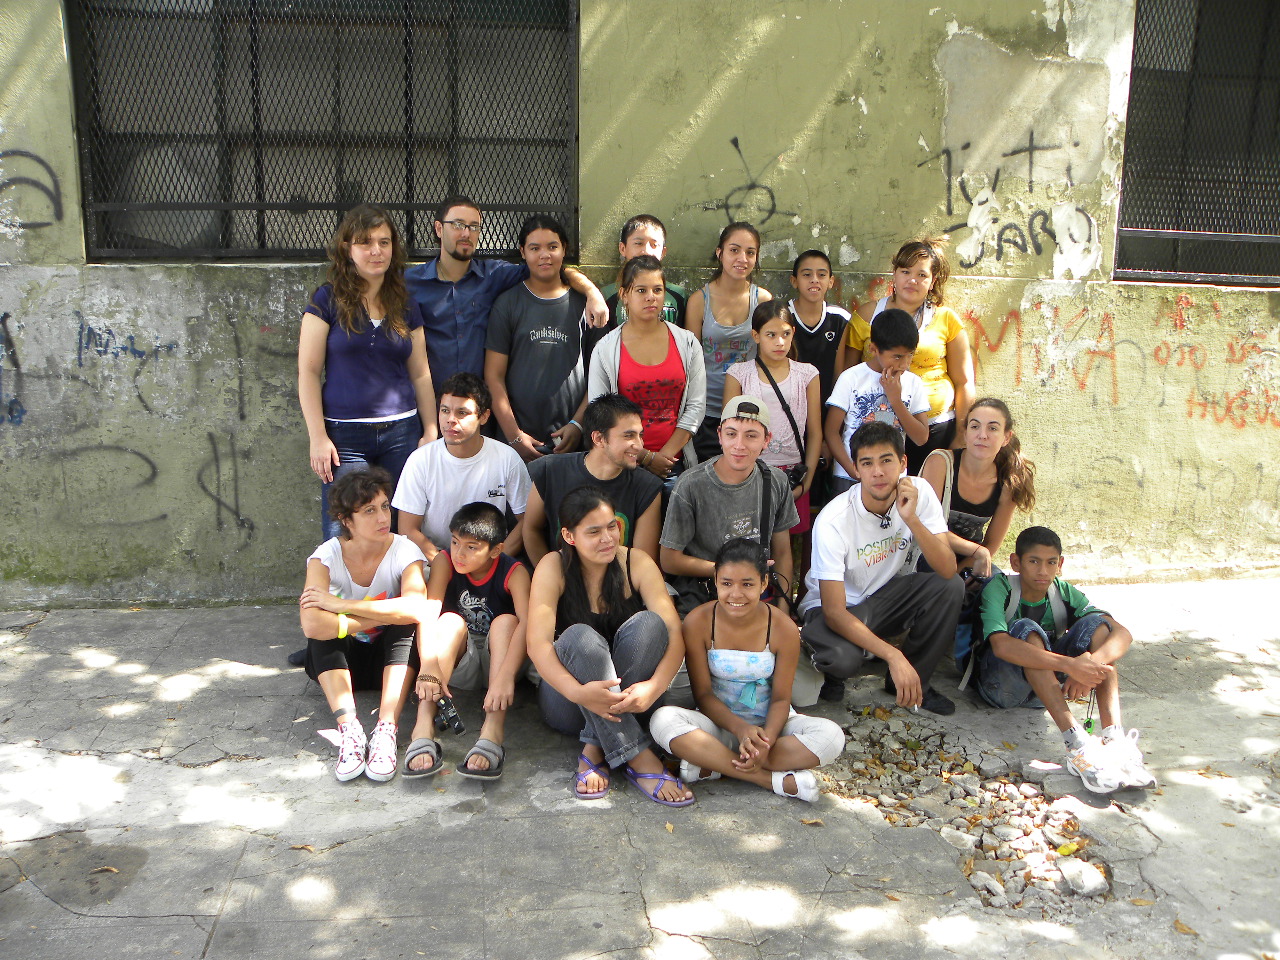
(832, 689)
(935, 702)
(297, 658)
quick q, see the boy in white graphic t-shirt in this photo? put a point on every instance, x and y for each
(862, 584)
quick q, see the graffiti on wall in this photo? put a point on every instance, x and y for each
(11, 409)
(751, 200)
(1066, 228)
(30, 192)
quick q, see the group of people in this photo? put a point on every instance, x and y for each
(611, 493)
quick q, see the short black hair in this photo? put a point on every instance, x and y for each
(894, 328)
(744, 550)
(874, 434)
(479, 521)
(795, 265)
(454, 200)
(638, 221)
(604, 412)
(353, 490)
(1037, 537)
(468, 385)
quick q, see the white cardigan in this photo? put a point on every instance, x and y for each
(607, 358)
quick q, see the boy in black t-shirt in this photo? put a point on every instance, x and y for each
(477, 639)
(614, 436)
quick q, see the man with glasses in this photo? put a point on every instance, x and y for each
(863, 586)
(456, 290)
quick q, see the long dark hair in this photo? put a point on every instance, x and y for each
(1012, 467)
(575, 605)
(348, 285)
(725, 234)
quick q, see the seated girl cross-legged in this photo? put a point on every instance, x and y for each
(742, 656)
(606, 641)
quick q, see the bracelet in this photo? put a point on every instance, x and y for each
(343, 623)
(430, 679)
(576, 424)
(649, 460)
(517, 438)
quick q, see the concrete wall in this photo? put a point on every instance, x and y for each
(150, 444)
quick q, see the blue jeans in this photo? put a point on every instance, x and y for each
(386, 444)
(637, 648)
(1004, 684)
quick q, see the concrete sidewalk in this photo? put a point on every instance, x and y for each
(165, 792)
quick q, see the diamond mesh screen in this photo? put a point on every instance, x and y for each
(1201, 188)
(243, 128)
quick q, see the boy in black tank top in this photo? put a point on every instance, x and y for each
(481, 598)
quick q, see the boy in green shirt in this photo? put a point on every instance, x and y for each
(1041, 637)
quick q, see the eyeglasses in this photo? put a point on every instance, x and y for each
(463, 227)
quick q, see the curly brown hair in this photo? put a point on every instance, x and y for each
(913, 251)
(348, 286)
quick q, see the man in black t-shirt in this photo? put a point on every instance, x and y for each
(615, 431)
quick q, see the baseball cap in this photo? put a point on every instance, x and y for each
(744, 407)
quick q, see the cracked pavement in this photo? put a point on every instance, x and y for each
(165, 791)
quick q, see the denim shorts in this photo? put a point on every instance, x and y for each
(1004, 684)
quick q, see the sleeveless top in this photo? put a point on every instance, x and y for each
(723, 346)
(742, 679)
(480, 602)
(969, 520)
(658, 389)
(606, 624)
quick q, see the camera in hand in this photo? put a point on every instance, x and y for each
(447, 716)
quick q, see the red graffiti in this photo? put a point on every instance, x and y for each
(1187, 353)
(1239, 408)
(980, 336)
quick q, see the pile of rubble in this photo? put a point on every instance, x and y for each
(1018, 848)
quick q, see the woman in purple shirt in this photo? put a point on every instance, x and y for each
(363, 379)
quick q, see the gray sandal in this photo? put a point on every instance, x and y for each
(495, 753)
(419, 747)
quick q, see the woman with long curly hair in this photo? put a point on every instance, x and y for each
(363, 380)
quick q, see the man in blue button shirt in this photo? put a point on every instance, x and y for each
(457, 289)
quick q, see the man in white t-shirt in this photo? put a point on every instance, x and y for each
(862, 584)
(461, 467)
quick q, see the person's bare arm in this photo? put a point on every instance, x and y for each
(812, 433)
(495, 378)
(410, 525)
(681, 564)
(693, 310)
(832, 428)
(515, 539)
(649, 529)
(783, 563)
(419, 369)
(537, 538)
(960, 372)
(312, 343)
(597, 309)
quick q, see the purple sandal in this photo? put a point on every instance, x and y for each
(580, 777)
(663, 777)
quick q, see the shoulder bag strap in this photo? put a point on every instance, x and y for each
(786, 408)
(948, 459)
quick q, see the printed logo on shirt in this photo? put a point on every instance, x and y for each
(475, 612)
(830, 335)
(881, 550)
(501, 491)
(866, 409)
(545, 334)
(741, 527)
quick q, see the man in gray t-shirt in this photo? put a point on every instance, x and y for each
(721, 499)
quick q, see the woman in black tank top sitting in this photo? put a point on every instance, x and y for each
(979, 486)
(606, 640)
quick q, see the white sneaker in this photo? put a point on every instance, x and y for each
(381, 763)
(806, 785)
(1127, 758)
(351, 752)
(1095, 766)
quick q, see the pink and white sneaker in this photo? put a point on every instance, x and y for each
(351, 752)
(381, 765)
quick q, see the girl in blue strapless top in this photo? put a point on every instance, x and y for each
(741, 654)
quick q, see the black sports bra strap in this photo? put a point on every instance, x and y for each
(713, 624)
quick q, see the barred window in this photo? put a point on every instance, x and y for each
(1200, 196)
(243, 128)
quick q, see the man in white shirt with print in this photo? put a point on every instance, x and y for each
(862, 584)
(462, 467)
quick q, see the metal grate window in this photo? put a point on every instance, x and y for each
(243, 128)
(1200, 198)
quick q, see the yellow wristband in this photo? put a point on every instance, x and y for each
(343, 623)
